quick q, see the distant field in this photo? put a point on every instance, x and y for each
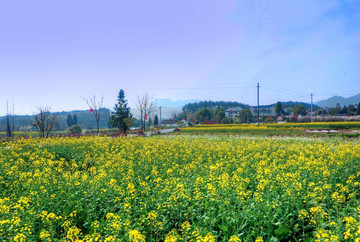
(286, 129)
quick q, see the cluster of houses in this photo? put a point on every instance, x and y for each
(268, 110)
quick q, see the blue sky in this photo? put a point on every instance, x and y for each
(54, 52)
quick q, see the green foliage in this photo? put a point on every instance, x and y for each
(75, 129)
(195, 107)
(219, 116)
(203, 114)
(278, 108)
(156, 122)
(121, 112)
(358, 109)
(299, 109)
(269, 120)
(245, 116)
(69, 120)
(75, 119)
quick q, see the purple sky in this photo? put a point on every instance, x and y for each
(54, 52)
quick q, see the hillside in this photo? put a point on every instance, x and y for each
(332, 101)
(194, 107)
(291, 104)
(85, 120)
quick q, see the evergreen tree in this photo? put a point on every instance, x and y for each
(69, 121)
(75, 120)
(358, 109)
(278, 108)
(156, 120)
(344, 110)
(121, 113)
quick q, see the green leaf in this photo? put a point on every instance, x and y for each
(223, 228)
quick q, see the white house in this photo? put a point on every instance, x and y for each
(233, 112)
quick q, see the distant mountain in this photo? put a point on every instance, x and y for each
(332, 101)
(168, 103)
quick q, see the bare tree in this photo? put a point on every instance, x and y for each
(139, 106)
(44, 122)
(95, 104)
(145, 104)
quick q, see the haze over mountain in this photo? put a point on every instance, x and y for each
(332, 101)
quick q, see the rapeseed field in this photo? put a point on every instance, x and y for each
(206, 188)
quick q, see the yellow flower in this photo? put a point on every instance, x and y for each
(44, 234)
(234, 238)
(135, 235)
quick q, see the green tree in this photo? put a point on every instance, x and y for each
(351, 109)
(278, 108)
(69, 121)
(246, 116)
(299, 109)
(121, 112)
(75, 119)
(156, 120)
(203, 114)
(219, 116)
(358, 109)
(344, 110)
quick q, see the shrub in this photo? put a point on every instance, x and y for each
(269, 120)
(75, 129)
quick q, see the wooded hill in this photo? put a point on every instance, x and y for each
(194, 107)
(85, 120)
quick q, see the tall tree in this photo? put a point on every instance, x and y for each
(145, 104)
(121, 113)
(358, 109)
(69, 120)
(156, 120)
(75, 119)
(278, 108)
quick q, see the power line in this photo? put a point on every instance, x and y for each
(284, 89)
(189, 88)
(270, 89)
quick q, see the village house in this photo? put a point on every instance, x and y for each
(266, 110)
(233, 112)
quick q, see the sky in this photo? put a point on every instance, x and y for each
(53, 53)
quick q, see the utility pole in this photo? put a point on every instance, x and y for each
(160, 119)
(258, 108)
(312, 119)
